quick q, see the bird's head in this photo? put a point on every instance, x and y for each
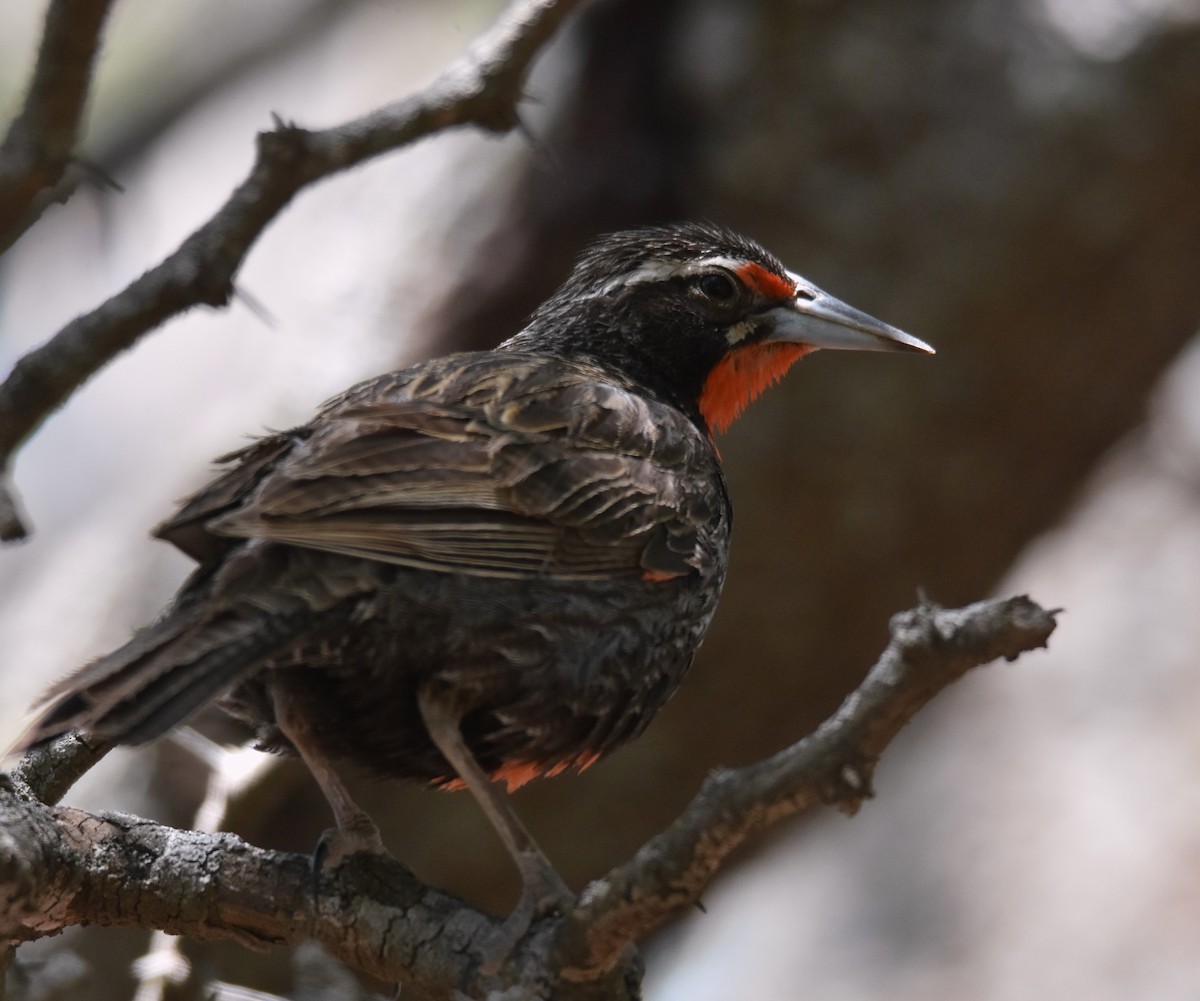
(698, 315)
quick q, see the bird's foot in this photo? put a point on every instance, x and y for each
(543, 892)
(359, 835)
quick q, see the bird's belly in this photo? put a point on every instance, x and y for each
(547, 673)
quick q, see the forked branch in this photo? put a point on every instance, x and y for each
(40, 142)
(60, 866)
(483, 89)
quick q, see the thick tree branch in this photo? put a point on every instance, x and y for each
(60, 866)
(482, 89)
(42, 138)
(63, 867)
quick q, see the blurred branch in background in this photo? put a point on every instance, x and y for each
(482, 89)
(63, 867)
(42, 140)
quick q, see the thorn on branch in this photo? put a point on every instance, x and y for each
(281, 124)
(12, 521)
(98, 175)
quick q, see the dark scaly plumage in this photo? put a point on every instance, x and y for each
(494, 517)
(523, 546)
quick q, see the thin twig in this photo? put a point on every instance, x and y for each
(930, 648)
(481, 89)
(41, 141)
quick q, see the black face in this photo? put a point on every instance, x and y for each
(661, 305)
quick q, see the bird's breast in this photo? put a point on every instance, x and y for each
(547, 673)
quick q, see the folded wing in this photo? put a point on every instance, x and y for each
(494, 465)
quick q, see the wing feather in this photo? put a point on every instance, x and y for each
(494, 464)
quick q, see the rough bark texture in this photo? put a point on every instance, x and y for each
(61, 867)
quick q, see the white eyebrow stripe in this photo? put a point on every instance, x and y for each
(659, 270)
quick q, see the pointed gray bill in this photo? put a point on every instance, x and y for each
(815, 317)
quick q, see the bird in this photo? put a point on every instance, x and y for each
(488, 567)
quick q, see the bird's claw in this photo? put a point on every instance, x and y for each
(542, 894)
(336, 843)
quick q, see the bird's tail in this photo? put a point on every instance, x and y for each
(166, 673)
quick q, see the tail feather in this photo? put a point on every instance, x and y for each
(162, 676)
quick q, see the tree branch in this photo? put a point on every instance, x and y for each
(42, 138)
(70, 867)
(49, 771)
(481, 89)
(60, 866)
(930, 648)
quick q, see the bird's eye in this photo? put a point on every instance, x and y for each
(716, 286)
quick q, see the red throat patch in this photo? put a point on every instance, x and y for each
(741, 375)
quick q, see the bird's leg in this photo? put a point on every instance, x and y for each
(542, 889)
(355, 831)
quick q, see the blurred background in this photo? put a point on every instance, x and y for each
(1017, 183)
